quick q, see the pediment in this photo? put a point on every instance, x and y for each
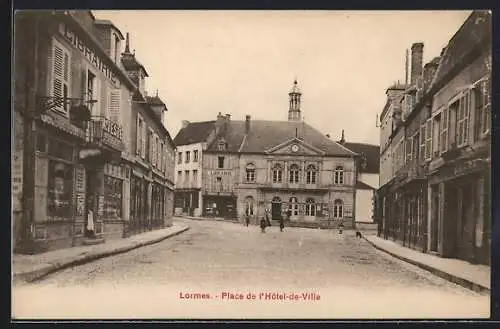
(294, 146)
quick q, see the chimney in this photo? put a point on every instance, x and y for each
(429, 72)
(185, 123)
(247, 124)
(342, 139)
(417, 54)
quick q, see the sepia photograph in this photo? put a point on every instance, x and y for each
(251, 164)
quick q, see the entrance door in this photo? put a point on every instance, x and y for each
(276, 208)
(90, 211)
(310, 209)
(434, 218)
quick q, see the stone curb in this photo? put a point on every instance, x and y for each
(210, 219)
(46, 269)
(442, 274)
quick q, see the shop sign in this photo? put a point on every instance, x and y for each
(468, 166)
(89, 153)
(88, 52)
(220, 172)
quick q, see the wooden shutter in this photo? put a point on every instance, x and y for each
(143, 140)
(58, 73)
(138, 135)
(114, 98)
(444, 129)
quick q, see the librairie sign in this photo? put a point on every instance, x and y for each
(87, 51)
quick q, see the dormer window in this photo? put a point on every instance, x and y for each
(221, 146)
(116, 54)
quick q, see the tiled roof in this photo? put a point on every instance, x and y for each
(265, 134)
(154, 100)
(370, 152)
(475, 31)
(131, 63)
(362, 186)
(195, 132)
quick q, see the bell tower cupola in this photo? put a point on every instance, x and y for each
(294, 103)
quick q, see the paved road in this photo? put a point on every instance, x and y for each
(203, 272)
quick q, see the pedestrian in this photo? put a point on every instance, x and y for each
(282, 223)
(247, 219)
(341, 227)
(268, 221)
(263, 224)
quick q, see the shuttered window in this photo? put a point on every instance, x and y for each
(143, 140)
(463, 119)
(61, 75)
(428, 140)
(114, 97)
(444, 130)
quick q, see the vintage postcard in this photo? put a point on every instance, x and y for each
(171, 164)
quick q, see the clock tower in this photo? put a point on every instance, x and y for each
(294, 103)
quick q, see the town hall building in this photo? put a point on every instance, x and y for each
(251, 166)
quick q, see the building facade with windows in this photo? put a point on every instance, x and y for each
(190, 143)
(70, 176)
(72, 89)
(151, 159)
(439, 198)
(286, 167)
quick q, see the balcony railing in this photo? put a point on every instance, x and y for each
(102, 131)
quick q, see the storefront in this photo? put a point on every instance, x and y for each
(219, 206)
(187, 200)
(462, 219)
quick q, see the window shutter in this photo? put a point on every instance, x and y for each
(138, 136)
(143, 140)
(114, 97)
(444, 129)
(58, 73)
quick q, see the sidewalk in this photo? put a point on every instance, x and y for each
(215, 219)
(33, 267)
(471, 276)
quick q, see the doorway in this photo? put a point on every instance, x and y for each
(434, 218)
(90, 209)
(276, 208)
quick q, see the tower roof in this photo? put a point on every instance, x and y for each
(295, 89)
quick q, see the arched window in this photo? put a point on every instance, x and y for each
(338, 209)
(277, 174)
(310, 207)
(249, 206)
(250, 173)
(294, 173)
(293, 206)
(311, 175)
(338, 175)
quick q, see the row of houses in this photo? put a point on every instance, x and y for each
(235, 168)
(91, 157)
(435, 149)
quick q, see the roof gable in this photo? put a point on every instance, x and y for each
(295, 146)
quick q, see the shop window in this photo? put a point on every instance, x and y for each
(60, 150)
(59, 189)
(113, 189)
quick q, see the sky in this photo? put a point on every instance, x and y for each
(245, 62)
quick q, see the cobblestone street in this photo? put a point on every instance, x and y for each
(350, 278)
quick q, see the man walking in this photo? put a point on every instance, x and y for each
(282, 223)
